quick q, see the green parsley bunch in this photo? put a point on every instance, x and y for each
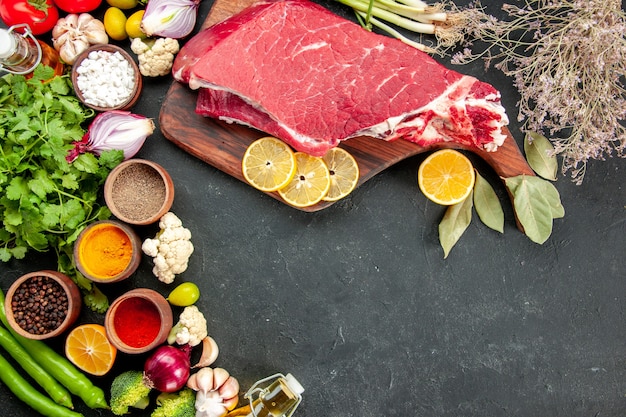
(45, 201)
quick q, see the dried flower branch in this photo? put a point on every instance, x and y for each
(567, 58)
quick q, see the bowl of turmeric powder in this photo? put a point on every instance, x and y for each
(107, 251)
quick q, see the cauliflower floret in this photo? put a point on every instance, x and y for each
(155, 56)
(170, 249)
(190, 329)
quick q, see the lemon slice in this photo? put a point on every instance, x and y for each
(344, 173)
(446, 177)
(88, 347)
(310, 183)
(268, 164)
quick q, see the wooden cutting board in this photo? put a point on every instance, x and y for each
(222, 145)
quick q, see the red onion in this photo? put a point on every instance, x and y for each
(168, 368)
(114, 130)
(170, 18)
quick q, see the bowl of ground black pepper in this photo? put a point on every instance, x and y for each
(42, 304)
(138, 321)
(139, 191)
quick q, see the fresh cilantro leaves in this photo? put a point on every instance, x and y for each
(45, 201)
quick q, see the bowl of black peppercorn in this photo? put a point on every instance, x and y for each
(42, 304)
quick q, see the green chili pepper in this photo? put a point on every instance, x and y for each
(58, 366)
(56, 391)
(25, 392)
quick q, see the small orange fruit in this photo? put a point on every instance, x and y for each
(446, 177)
(88, 347)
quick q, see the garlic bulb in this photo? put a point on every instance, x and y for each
(75, 33)
(217, 392)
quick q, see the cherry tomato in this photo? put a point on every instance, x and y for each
(40, 15)
(77, 6)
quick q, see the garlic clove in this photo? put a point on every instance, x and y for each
(210, 351)
(67, 54)
(60, 40)
(83, 19)
(205, 379)
(95, 32)
(231, 403)
(230, 388)
(71, 49)
(97, 37)
(71, 20)
(192, 382)
(220, 376)
(59, 29)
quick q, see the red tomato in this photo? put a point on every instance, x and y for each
(40, 15)
(77, 6)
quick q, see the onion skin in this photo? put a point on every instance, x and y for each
(167, 369)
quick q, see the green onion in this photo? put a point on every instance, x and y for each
(413, 15)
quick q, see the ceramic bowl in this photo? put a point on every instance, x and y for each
(105, 86)
(100, 241)
(126, 318)
(29, 282)
(139, 191)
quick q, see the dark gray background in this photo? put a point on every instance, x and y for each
(358, 303)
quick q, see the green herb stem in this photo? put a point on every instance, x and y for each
(391, 31)
(392, 14)
(443, 20)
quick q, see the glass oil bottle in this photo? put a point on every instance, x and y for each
(279, 399)
(20, 53)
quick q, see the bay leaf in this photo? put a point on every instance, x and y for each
(454, 223)
(488, 205)
(553, 198)
(531, 206)
(549, 191)
(540, 156)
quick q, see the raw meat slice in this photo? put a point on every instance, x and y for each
(297, 71)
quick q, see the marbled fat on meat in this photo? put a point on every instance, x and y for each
(295, 70)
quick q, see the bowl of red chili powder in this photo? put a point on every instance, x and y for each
(138, 321)
(42, 304)
(107, 251)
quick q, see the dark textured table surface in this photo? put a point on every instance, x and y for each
(358, 303)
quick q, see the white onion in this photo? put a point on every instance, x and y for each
(170, 18)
